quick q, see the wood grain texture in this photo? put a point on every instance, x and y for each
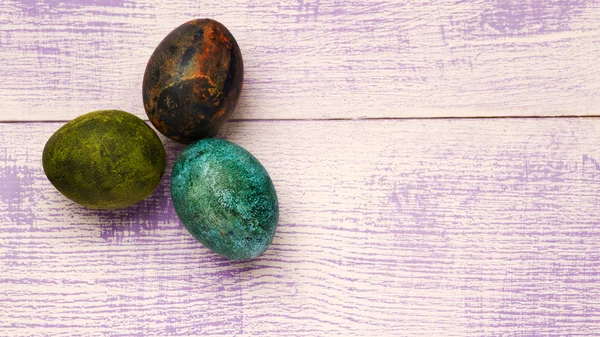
(312, 59)
(387, 228)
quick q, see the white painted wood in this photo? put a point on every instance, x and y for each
(388, 228)
(312, 59)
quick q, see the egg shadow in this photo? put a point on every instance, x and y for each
(143, 218)
(236, 126)
(233, 130)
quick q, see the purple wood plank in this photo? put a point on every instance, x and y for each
(311, 59)
(388, 228)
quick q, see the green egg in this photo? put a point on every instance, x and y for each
(105, 159)
(225, 198)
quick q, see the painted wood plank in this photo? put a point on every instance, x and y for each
(388, 228)
(311, 59)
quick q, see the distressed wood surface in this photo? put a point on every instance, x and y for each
(313, 59)
(388, 228)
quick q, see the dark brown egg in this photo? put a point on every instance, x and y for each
(193, 80)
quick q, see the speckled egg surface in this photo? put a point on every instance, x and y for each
(225, 198)
(193, 80)
(105, 159)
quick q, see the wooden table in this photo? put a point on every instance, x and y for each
(401, 214)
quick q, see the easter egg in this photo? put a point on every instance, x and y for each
(193, 80)
(105, 159)
(225, 198)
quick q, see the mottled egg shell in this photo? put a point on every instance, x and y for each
(225, 198)
(105, 159)
(193, 80)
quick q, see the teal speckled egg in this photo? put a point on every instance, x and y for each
(225, 198)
